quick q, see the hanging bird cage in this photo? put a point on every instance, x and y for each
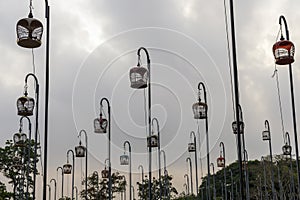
(25, 106)
(124, 159)
(29, 31)
(138, 77)
(67, 168)
(20, 139)
(80, 151)
(100, 125)
(152, 141)
(266, 135)
(287, 149)
(221, 161)
(191, 147)
(283, 52)
(234, 127)
(200, 110)
(104, 173)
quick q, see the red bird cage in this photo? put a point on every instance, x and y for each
(221, 162)
(283, 52)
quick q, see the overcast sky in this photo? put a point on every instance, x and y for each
(93, 45)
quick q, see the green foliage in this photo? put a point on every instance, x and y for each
(167, 188)
(3, 193)
(16, 164)
(255, 171)
(98, 188)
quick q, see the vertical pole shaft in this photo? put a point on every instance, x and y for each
(265, 181)
(231, 176)
(109, 153)
(159, 164)
(62, 183)
(191, 175)
(236, 91)
(293, 107)
(279, 181)
(86, 166)
(271, 168)
(196, 167)
(46, 100)
(36, 141)
(73, 175)
(295, 127)
(292, 178)
(214, 182)
(149, 133)
(260, 190)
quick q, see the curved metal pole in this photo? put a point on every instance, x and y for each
(191, 172)
(109, 146)
(247, 175)
(236, 95)
(167, 190)
(158, 153)
(231, 176)
(28, 151)
(187, 183)
(222, 189)
(86, 159)
(186, 188)
(265, 178)
(214, 182)
(267, 126)
(124, 187)
(165, 170)
(207, 139)
(192, 134)
(279, 181)
(149, 113)
(62, 180)
(76, 192)
(130, 176)
(54, 187)
(224, 156)
(47, 16)
(73, 170)
(49, 192)
(142, 168)
(288, 142)
(132, 188)
(260, 190)
(282, 18)
(36, 128)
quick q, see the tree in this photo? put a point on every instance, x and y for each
(98, 187)
(255, 169)
(3, 192)
(143, 188)
(16, 164)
